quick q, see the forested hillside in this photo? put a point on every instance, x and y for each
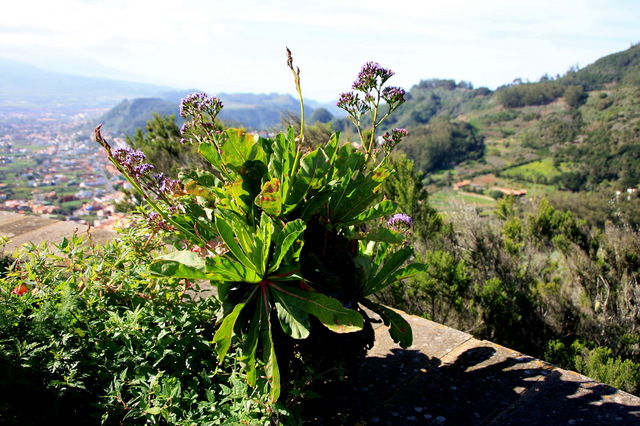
(574, 138)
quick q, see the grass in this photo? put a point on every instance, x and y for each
(541, 171)
(443, 200)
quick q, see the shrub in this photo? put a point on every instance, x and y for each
(596, 362)
(92, 337)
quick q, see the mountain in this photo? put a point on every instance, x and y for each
(248, 110)
(25, 86)
(130, 115)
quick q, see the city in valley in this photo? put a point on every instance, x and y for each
(50, 165)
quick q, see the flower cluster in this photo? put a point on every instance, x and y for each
(393, 95)
(166, 185)
(199, 105)
(390, 140)
(371, 76)
(157, 222)
(370, 82)
(132, 161)
(400, 222)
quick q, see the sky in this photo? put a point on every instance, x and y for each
(240, 45)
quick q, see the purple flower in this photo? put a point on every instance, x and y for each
(352, 104)
(348, 101)
(154, 220)
(393, 138)
(393, 95)
(199, 104)
(142, 169)
(371, 75)
(400, 221)
(129, 157)
(166, 185)
(132, 161)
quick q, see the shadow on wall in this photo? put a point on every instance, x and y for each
(482, 386)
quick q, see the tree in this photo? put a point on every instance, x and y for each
(443, 143)
(161, 144)
(575, 96)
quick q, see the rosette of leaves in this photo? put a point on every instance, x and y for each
(293, 240)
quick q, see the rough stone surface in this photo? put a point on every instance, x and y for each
(23, 229)
(448, 377)
(445, 377)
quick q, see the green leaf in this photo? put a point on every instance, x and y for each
(187, 264)
(313, 168)
(153, 411)
(383, 208)
(399, 329)
(294, 321)
(262, 242)
(270, 197)
(270, 360)
(356, 195)
(228, 235)
(180, 264)
(410, 271)
(250, 347)
(282, 163)
(386, 274)
(328, 310)
(239, 148)
(314, 204)
(224, 334)
(286, 241)
(210, 152)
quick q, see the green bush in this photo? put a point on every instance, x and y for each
(596, 362)
(90, 336)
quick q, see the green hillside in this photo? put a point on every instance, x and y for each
(573, 134)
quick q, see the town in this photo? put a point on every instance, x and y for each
(51, 166)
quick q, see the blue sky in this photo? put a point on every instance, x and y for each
(239, 45)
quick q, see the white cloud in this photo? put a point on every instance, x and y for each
(239, 46)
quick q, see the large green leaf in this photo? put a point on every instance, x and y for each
(314, 204)
(356, 195)
(281, 167)
(250, 347)
(383, 208)
(328, 310)
(399, 328)
(387, 273)
(286, 241)
(270, 197)
(262, 243)
(224, 334)
(187, 264)
(240, 148)
(211, 153)
(229, 233)
(270, 360)
(313, 168)
(348, 160)
(294, 321)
